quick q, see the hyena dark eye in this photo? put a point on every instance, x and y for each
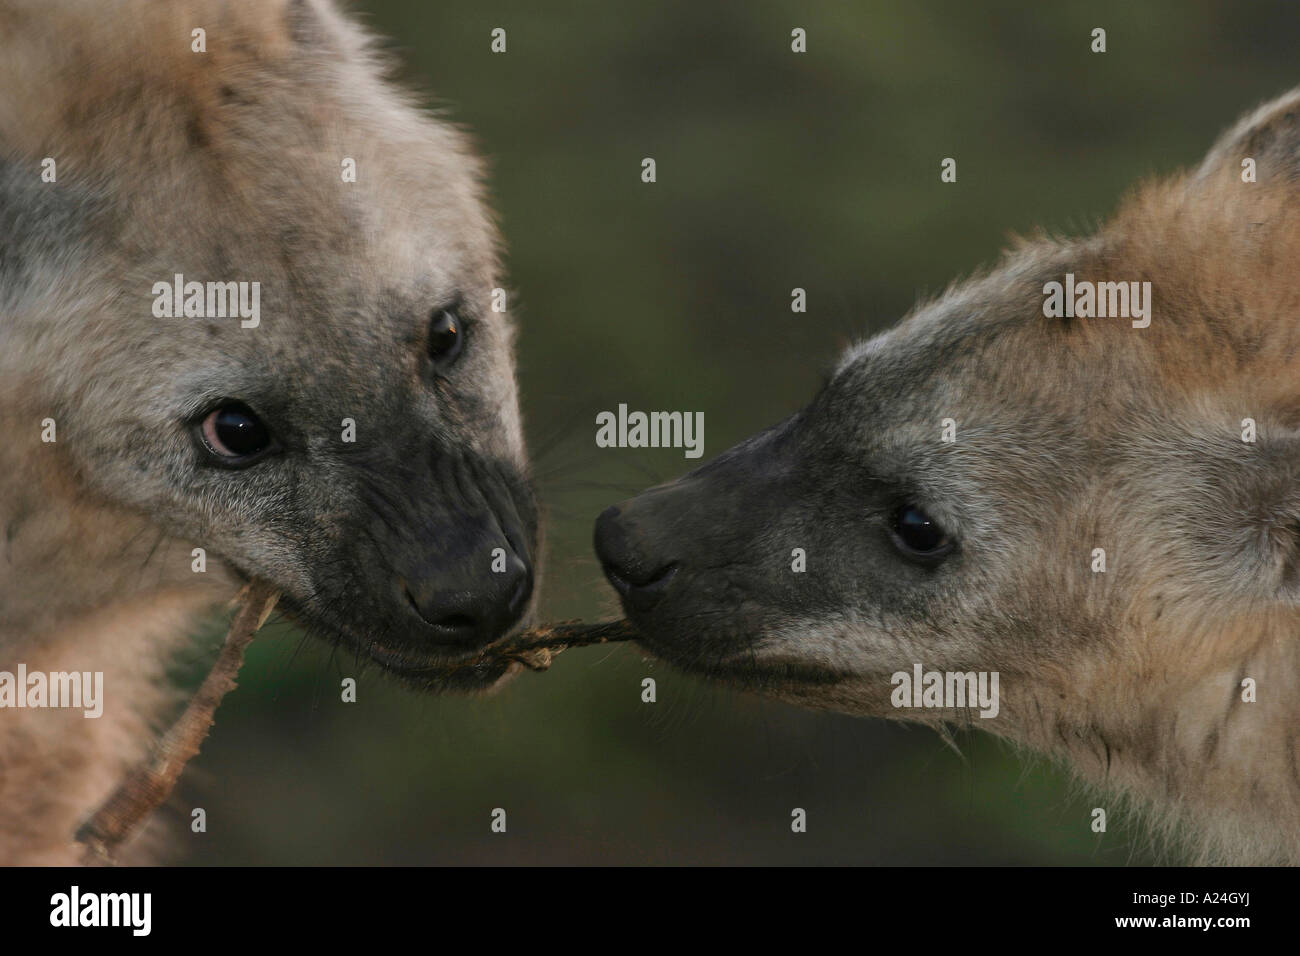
(918, 535)
(446, 337)
(233, 432)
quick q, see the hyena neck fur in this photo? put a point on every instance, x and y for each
(1161, 724)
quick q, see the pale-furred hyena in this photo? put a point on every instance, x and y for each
(357, 441)
(1172, 676)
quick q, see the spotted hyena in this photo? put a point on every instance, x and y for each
(1080, 471)
(250, 326)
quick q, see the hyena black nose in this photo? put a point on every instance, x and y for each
(641, 579)
(473, 610)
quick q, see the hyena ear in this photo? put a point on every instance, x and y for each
(321, 29)
(309, 25)
(1264, 145)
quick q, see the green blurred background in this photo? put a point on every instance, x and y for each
(775, 170)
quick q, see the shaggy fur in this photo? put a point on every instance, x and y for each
(1072, 434)
(225, 165)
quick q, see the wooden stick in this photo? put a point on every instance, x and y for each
(146, 787)
(538, 647)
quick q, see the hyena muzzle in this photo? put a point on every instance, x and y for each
(1079, 471)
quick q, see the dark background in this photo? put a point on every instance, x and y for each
(775, 170)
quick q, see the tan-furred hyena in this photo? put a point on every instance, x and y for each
(403, 533)
(979, 554)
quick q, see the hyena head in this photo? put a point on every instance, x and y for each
(261, 301)
(1102, 508)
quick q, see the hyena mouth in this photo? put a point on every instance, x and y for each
(735, 657)
(424, 673)
(775, 673)
(431, 670)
